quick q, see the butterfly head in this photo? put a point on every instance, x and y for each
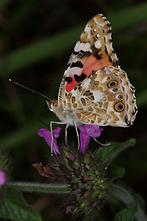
(52, 104)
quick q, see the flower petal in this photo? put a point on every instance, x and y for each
(56, 132)
(46, 134)
(87, 131)
(2, 177)
(84, 141)
(91, 130)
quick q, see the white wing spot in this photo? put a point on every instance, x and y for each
(98, 35)
(98, 96)
(98, 44)
(82, 47)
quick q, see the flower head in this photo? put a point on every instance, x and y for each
(50, 138)
(86, 177)
(3, 178)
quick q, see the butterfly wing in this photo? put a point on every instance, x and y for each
(94, 89)
(92, 52)
(105, 98)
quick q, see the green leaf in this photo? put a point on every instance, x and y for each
(122, 194)
(126, 214)
(109, 153)
(117, 172)
(129, 199)
(139, 200)
(14, 207)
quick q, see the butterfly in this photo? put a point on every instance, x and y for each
(94, 89)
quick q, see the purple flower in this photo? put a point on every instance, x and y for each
(86, 132)
(3, 177)
(51, 141)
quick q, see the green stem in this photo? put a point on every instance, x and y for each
(40, 187)
(115, 191)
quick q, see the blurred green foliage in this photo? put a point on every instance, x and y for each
(36, 39)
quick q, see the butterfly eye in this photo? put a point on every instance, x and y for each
(119, 106)
(112, 83)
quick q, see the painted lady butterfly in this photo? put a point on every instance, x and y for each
(94, 89)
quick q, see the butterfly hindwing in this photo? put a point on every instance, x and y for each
(105, 98)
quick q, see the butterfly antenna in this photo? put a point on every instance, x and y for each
(102, 144)
(29, 89)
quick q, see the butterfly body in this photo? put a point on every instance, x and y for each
(94, 89)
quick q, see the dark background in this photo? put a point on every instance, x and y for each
(36, 40)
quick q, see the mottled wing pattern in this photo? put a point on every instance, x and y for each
(105, 98)
(92, 52)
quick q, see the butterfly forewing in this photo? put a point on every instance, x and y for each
(92, 52)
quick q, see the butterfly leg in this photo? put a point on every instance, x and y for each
(51, 129)
(66, 134)
(102, 144)
(78, 138)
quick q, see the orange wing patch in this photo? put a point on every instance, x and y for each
(92, 63)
